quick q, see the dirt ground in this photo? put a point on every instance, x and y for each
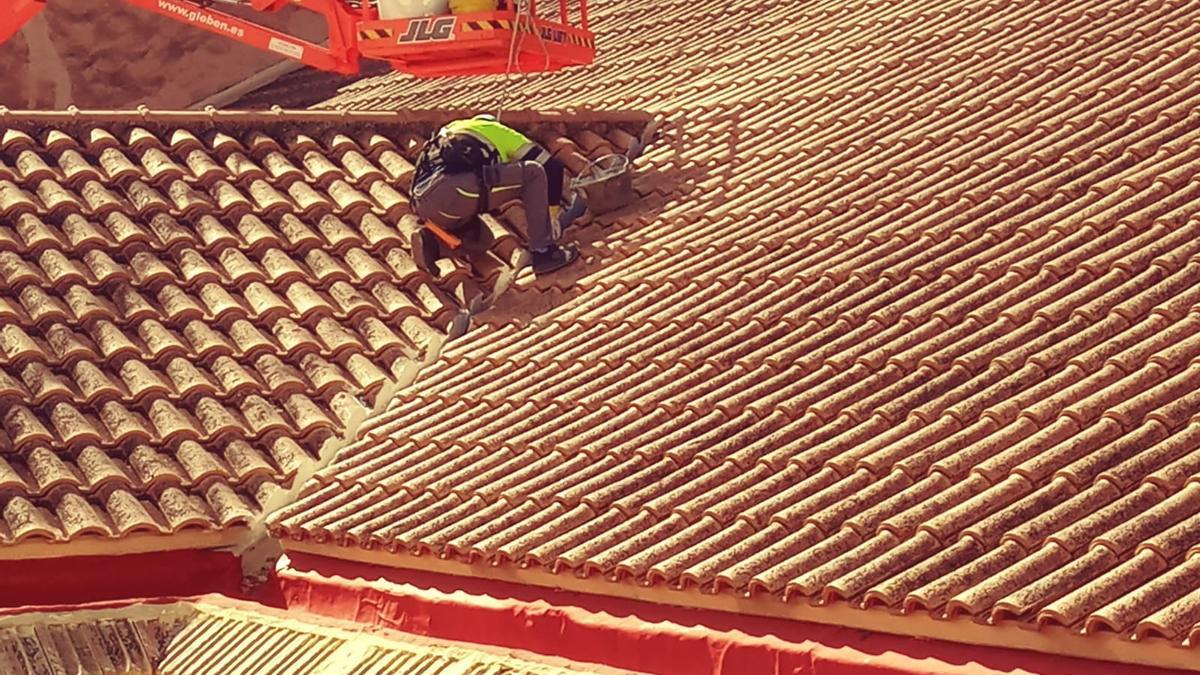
(105, 54)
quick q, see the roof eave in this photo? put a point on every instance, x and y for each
(1049, 640)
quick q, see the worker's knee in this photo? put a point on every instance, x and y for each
(533, 173)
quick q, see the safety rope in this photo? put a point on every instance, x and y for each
(526, 21)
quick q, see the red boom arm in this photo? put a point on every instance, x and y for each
(478, 43)
(341, 55)
(17, 14)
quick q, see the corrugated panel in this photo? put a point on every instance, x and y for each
(209, 639)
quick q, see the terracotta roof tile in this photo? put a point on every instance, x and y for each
(897, 323)
(237, 638)
(192, 305)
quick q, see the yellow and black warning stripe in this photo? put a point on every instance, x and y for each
(505, 24)
(375, 33)
(489, 24)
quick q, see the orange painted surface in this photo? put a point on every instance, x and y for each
(13, 17)
(577, 627)
(637, 636)
(87, 579)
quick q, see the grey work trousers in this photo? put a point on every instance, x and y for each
(452, 200)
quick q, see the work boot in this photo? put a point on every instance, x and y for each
(573, 212)
(554, 258)
(425, 250)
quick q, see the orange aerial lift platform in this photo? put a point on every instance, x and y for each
(511, 36)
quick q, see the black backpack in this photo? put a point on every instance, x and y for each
(454, 153)
(450, 154)
(462, 153)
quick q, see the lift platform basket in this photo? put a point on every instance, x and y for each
(514, 37)
(479, 43)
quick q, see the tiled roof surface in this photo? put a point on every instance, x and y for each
(190, 309)
(908, 320)
(302, 88)
(184, 638)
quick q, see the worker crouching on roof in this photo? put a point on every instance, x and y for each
(471, 165)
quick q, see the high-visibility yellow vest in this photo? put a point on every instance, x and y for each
(509, 143)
